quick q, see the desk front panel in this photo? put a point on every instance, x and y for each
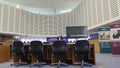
(4, 53)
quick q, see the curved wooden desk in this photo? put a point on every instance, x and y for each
(70, 55)
(48, 57)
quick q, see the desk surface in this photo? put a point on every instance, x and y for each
(52, 44)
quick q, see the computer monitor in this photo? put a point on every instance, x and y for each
(53, 39)
(77, 31)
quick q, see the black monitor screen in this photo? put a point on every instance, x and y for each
(77, 31)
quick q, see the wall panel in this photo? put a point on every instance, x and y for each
(46, 26)
(22, 26)
(36, 25)
(105, 10)
(32, 20)
(26, 23)
(17, 20)
(99, 9)
(85, 14)
(41, 25)
(55, 26)
(89, 13)
(51, 25)
(5, 18)
(114, 8)
(0, 16)
(11, 20)
(94, 13)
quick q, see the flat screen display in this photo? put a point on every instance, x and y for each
(77, 31)
(53, 39)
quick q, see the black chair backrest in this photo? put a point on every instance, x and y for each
(59, 48)
(18, 47)
(82, 47)
(36, 48)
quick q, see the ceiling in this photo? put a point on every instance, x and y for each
(45, 6)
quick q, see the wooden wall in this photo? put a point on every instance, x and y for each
(4, 53)
(96, 45)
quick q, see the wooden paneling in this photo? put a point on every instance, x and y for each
(4, 53)
(96, 45)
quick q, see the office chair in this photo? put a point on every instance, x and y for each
(36, 50)
(82, 50)
(18, 50)
(59, 49)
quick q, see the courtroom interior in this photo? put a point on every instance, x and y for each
(60, 33)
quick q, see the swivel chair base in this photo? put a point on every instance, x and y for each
(83, 64)
(37, 64)
(59, 64)
(19, 64)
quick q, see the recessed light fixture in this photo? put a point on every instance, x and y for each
(17, 6)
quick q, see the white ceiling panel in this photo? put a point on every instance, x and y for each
(44, 6)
